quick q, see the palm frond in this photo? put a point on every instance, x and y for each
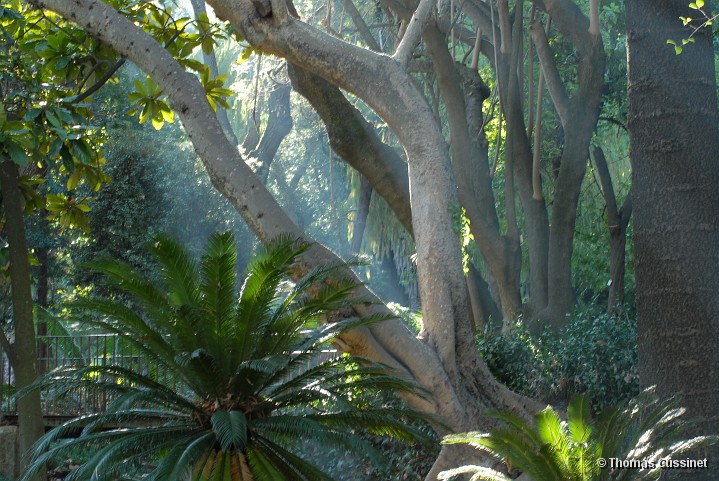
(179, 461)
(240, 392)
(179, 272)
(278, 460)
(579, 419)
(646, 430)
(124, 277)
(553, 432)
(230, 428)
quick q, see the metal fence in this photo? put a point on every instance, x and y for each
(68, 351)
(89, 350)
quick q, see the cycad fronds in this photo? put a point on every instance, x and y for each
(240, 355)
(550, 449)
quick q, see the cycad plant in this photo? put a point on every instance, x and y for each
(240, 355)
(640, 436)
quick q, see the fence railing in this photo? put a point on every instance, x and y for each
(87, 350)
(67, 351)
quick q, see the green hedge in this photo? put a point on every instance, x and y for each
(595, 354)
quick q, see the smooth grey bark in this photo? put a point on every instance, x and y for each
(460, 385)
(289, 191)
(471, 170)
(550, 250)
(279, 125)
(536, 220)
(361, 25)
(361, 214)
(617, 222)
(673, 129)
(22, 353)
(484, 308)
(355, 140)
(578, 114)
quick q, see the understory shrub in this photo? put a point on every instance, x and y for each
(595, 354)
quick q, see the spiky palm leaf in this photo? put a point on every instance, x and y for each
(240, 355)
(550, 449)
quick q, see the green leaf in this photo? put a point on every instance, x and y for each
(3, 116)
(700, 3)
(62, 63)
(52, 118)
(246, 53)
(157, 121)
(167, 114)
(74, 179)
(32, 114)
(82, 207)
(207, 45)
(17, 153)
(145, 114)
(694, 6)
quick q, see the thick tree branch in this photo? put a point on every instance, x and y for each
(279, 125)
(625, 211)
(355, 140)
(537, 193)
(551, 74)
(361, 214)
(413, 34)
(570, 20)
(361, 25)
(505, 27)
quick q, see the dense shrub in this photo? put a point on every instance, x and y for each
(595, 354)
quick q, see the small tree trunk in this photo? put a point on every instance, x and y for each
(24, 355)
(617, 246)
(279, 125)
(617, 220)
(484, 308)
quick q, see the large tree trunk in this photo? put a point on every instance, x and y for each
(23, 355)
(674, 143)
